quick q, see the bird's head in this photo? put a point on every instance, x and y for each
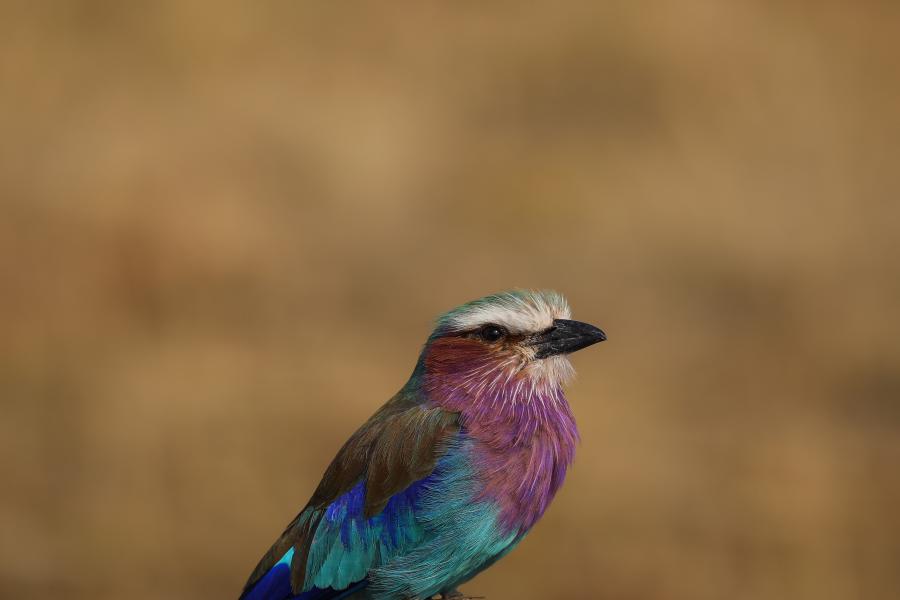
(504, 344)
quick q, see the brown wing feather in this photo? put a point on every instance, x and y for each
(397, 446)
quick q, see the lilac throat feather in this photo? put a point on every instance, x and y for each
(511, 403)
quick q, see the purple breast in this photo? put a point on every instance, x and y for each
(523, 456)
(525, 439)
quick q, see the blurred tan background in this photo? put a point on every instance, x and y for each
(226, 228)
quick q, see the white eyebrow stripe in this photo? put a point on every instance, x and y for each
(515, 322)
(519, 312)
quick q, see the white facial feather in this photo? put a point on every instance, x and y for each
(520, 312)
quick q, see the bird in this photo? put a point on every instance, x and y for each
(452, 472)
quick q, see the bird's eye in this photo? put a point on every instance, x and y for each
(491, 332)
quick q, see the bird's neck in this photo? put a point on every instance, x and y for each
(525, 434)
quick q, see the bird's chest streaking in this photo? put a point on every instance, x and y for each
(522, 473)
(521, 427)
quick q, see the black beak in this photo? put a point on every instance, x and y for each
(565, 336)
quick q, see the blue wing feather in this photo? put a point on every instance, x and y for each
(276, 585)
(429, 538)
(346, 545)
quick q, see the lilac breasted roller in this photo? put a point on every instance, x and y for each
(452, 472)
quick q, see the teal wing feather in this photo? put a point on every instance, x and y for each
(363, 513)
(428, 539)
(461, 536)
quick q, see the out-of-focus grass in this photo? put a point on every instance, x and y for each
(226, 227)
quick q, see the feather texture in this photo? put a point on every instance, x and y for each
(445, 478)
(397, 447)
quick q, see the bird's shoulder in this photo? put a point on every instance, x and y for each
(397, 446)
